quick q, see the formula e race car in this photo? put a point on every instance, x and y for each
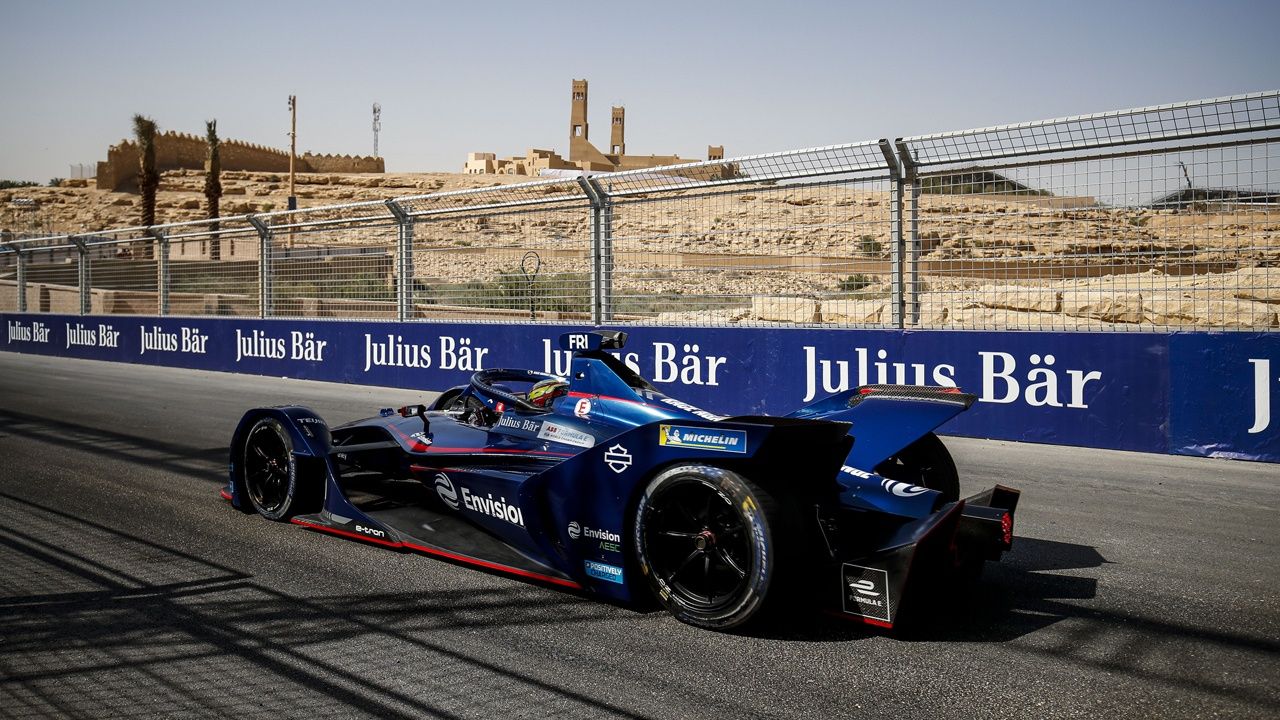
(602, 484)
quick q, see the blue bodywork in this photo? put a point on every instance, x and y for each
(553, 490)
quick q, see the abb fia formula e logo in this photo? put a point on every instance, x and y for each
(447, 492)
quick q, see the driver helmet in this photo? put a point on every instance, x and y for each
(544, 391)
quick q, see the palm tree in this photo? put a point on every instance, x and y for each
(213, 185)
(144, 131)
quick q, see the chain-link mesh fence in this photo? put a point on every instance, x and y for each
(1055, 226)
(1152, 218)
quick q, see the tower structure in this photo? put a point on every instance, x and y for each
(578, 114)
(583, 155)
(617, 141)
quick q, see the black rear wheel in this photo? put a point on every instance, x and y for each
(927, 463)
(706, 542)
(271, 473)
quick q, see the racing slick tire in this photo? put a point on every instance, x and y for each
(277, 485)
(708, 543)
(927, 463)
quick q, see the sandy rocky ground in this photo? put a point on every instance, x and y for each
(791, 254)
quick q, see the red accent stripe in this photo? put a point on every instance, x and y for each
(494, 566)
(344, 533)
(441, 553)
(414, 445)
(593, 396)
(225, 495)
(434, 448)
(858, 618)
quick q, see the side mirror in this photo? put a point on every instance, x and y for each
(416, 411)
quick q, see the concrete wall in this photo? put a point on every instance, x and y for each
(341, 164)
(181, 151)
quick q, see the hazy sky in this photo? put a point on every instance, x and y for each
(456, 77)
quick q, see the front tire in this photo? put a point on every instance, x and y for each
(707, 543)
(271, 477)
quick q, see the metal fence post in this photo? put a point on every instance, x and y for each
(264, 265)
(404, 261)
(896, 300)
(606, 255)
(162, 270)
(83, 277)
(21, 259)
(599, 304)
(911, 175)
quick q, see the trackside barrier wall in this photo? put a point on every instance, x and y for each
(1184, 393)
(1108, 280)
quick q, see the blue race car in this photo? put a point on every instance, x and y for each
(602, 484)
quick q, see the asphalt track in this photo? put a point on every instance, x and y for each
(1139, 586)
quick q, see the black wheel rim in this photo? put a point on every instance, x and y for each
(698, 545)
(266, 468)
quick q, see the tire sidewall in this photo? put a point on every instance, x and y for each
(750, 511)
(283, 512)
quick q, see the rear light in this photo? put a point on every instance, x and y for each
(1006, 529)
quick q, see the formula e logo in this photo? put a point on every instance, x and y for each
(902, 489)
(447, 492)
(618, 459)
(583, 408)
(575, 531)
(866, 592)
(865, 588)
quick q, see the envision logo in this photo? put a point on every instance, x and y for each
(576, 531)
(446, 491)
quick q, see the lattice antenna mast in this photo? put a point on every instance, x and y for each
(377, 126)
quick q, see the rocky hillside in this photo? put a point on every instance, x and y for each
(778, 253)
(77, 206)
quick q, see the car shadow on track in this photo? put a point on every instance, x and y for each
(94, 619)
(187, 460)
(1015, 596)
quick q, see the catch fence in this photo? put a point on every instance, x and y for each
(1155, 218)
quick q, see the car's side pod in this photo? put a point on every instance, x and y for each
(307, 431)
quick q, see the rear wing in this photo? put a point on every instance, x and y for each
(884, 419)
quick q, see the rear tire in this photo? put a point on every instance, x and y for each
(708, 543)
(927, 463)
(272, 478)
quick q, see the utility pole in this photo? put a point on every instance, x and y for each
(293, 147)
(293, 153)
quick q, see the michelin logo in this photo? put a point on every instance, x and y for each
(731, 441)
